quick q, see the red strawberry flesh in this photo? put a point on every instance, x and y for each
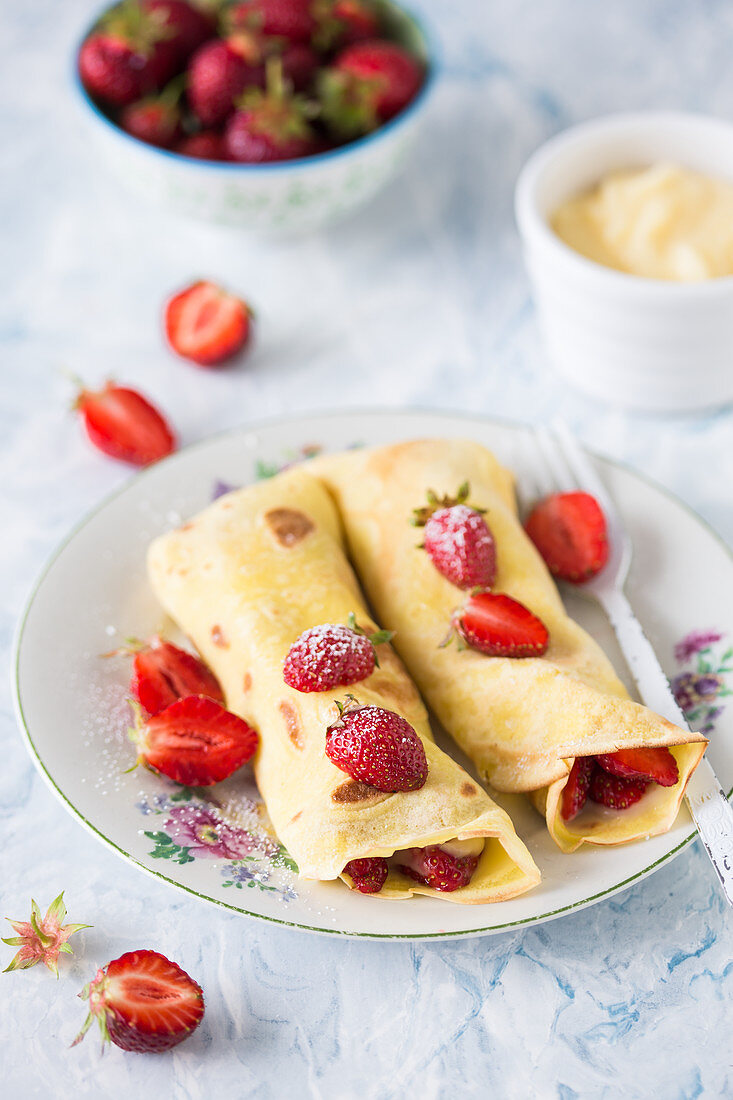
(123, 424)
(328, 656)
(575, 791)
(368, 875)
(377, 747)
(144, 1002)
(654, 764)
(461, 547)
(163, 673)
(614, 792)
(569, 530)
(500, 626)
(437, 868)
(196, 742)
(206, 324)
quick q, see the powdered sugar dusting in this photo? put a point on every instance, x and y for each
(461, 546)
(327, 656)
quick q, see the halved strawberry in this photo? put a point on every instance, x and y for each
(437, 868)
(162, 673)
(143, 1002)
(499, 626)
(123, 424)
(575, 791)
(368, 875)
(614, 792)
(569, 530)
(656, 764)
(194, 741)
(207, 324)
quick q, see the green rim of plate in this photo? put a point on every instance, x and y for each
(258, 426)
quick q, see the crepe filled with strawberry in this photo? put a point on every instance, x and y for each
(353, 782)
(434, 533)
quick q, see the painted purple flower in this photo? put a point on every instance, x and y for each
(695, 641)
(203, 832)
(221, 488)
(691, 689)
(245, 873)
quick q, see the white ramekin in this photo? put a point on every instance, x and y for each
(644, 343)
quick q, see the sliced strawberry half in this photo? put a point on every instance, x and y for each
(569, 530)
(368, 875)
(206, 324)
(575, 791)
(655, 764)
(194, 741)
(163, 673)
(614, 792)
(123, 424)
(437, 868)
(500, 626)
(143, 1002)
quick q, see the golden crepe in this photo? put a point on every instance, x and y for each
(521, 720)
(244, 579)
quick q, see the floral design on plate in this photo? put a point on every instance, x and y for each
(699, 688)
(196, 824)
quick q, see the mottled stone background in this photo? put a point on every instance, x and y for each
(421, 299)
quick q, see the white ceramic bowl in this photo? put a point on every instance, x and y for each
(644, 343)
(281, 198)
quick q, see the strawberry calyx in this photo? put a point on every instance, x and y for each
(42, 939)
(378, 637)
(348, 103)
(275, 111)
(140, 30)
(420, 516)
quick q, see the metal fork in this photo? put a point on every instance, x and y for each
(556, 462)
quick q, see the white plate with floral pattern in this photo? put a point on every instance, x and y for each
(218, 844)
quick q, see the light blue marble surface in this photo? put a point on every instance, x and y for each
(421, 299)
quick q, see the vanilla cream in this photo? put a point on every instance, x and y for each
(661, 222)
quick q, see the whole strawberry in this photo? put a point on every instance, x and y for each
(218, 73)
(143, 1002)
(187, 27)
(343, 22)
(437, 868)
(206, 145)
(377, 747)
(270, 125)
(367, 84)
(155, 119)
(458, 540)
(128, 55)
(367, 875)
(124, 425)
(194, 741)
(288, 19)
(332, 655)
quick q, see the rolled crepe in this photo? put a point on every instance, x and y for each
(521, 721)
(244, 579)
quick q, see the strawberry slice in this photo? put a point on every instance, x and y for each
(575, 791)
(206, 324)
(162, 673)
(194, 741)
(613, 791)
(655, 764)
(123, 424)
(569, 530)
(437, 868)
(143, 1002)
(368, 875)
(499, 626)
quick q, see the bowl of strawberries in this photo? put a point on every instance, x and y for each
(270, 115)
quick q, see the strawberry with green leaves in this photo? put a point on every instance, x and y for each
(367, 84)
(457, 539)
(129, 54)
(270, 125)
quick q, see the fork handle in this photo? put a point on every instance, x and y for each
(710, 809)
